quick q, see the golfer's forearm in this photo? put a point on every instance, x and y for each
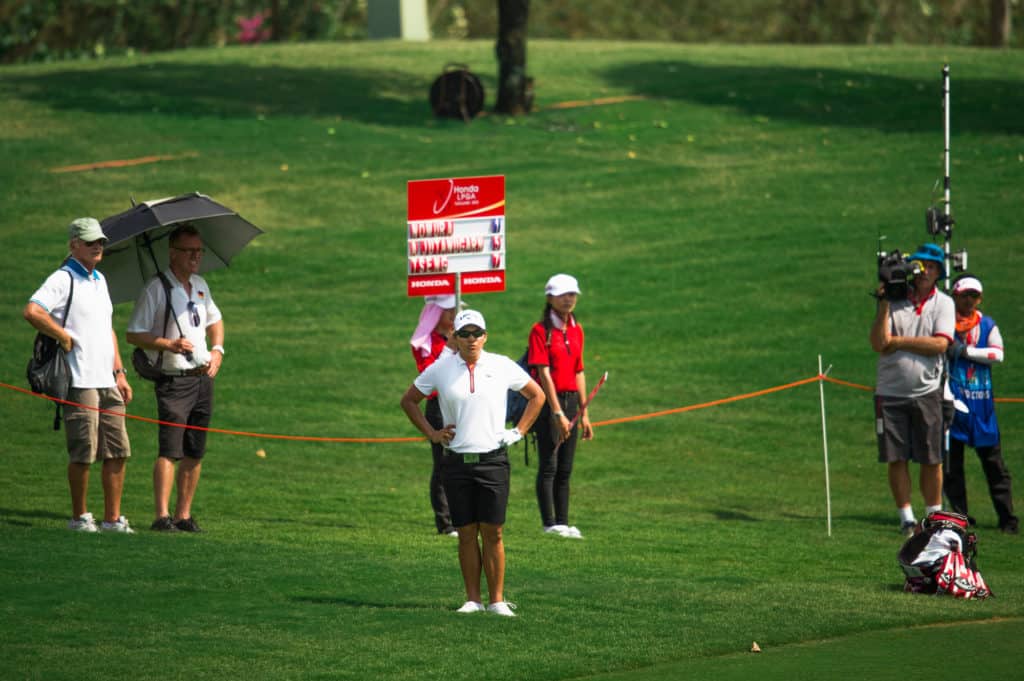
(411, 407)
(148, 341)
(535, 395)
(42, 322)
(581, 390)
(927, 346)
(547, 386)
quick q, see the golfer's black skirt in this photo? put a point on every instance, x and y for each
(477, 492)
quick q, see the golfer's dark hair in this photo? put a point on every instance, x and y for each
(545, 318)
(185, 228)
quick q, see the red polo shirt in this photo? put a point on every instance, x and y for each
(563, 357)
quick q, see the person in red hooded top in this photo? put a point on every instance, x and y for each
(428, 342)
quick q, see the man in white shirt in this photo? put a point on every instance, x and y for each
(472, 387)
(81, 320)
(185, 392)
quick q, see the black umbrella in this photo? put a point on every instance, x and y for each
(137, 239)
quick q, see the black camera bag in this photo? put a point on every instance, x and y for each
(48, 371)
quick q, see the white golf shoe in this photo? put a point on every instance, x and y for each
(502, 608)
(83, 523)
(471, 606)
(118, 526)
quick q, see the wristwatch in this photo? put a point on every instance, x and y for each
(120, 371)
(219, 348)
(557, 413)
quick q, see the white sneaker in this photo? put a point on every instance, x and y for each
(83, 523)
(560, 530)
(453, 533)
(502, 608)
(119, 525)
(471, 606)
(573, 532)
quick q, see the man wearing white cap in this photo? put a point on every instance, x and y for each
(472, 388)
(432, 338)
(73, 306)
(977, 346)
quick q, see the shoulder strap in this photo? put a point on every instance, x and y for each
(167, 311)
(71, 296)
(67, 312)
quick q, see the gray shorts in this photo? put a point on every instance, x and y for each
(186, 400)
(910, 429)
(93, 434)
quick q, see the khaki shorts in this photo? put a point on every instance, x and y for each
(91, 434)
(910, 429)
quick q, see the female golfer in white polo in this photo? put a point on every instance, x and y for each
(472, 386)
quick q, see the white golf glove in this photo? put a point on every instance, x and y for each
(510, 437)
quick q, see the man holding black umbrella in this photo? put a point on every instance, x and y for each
(189, 364)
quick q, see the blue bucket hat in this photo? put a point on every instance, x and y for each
(934, 253)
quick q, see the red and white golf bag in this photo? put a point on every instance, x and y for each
(940, 558)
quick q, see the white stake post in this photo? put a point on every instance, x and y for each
(824, 440)
(947, 206)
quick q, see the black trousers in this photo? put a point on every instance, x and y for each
(996, 473)
(555, 467)
(438, 498)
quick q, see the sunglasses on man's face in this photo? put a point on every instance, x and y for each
(466, 333)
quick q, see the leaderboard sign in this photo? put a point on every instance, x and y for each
(456, 228)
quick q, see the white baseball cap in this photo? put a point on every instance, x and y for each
(561, 284)
(469, 317)
(967, 284)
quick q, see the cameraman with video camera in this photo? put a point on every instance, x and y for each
(911, 335)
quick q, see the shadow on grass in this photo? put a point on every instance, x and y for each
(311, 523)
(232, 91)
(833, 97)
(7, 515)
(727, 515)
(353, 603)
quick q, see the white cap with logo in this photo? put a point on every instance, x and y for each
(469, 317)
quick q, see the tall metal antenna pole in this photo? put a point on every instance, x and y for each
(945, 183)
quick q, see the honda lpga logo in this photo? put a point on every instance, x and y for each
(464, 194)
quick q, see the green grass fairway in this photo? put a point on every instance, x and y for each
(878, 655)
(722, 216)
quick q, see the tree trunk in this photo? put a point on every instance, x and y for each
(277, 32)
(999, 23)
(511, 49)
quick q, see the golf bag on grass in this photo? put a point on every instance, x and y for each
(940, 558)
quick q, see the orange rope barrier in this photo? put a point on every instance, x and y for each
(600, 101)
(847, 383)
(303, 438)
(608, 422)
(693, 407)
(124, 163)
